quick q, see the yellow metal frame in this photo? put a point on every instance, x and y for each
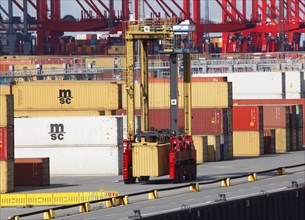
(138, 33)
(51, 199)
(154, 31)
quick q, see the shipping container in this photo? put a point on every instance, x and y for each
(228, 146)
(299, 138)
(66, 95)
(32, 172)
(68, 131)
(78, 160)
(5, 90)
(7, 143)
(275, 102)
(6, 176)
(6, 110)
(204, 95)
(269, 141)
(248, 143)
(160, 118)
(208, 121)
(214, 151)
(151, 159)
(106, 62)
(201, 146)
(211, 95)
(293, 139)
(247, 118)
(299, 116)
(276, 116)
(282, 140)
(253, 85)
(294, 83)
(29, 113)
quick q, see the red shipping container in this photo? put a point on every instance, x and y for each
(276, 116)
(273, 102)
(247, 118)
(7, 143)
(32, 172)
(160, 118)
(269, 141)
(208, 121)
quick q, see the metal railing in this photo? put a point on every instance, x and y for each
(198, 66)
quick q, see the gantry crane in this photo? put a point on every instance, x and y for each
(168, 151)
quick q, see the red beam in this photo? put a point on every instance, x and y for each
(125, 10)
(151, 8)
(41, 11)
(225, 12)
(196, 11)
(110, 11)
(84, 10)
(136, 10)
(236, 11)
(168, 8)
(95, 8)
(220, 28)
(166, 14)
(32, 3)
(255, 16)
(265, 14)
(55, 9)
(185, 14)
(20, 7)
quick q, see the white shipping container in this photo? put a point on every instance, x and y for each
(76, 160)
(253, 85)
(68, 131)
(293, 84)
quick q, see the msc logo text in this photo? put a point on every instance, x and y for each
(57, 131)
(65, 96)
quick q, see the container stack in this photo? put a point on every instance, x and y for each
(269, 141)
(66, 98)
(74, 145)
(6, 142)
(286, 116)
(211, 112)
(201, 145)
(278, 118)
(212, 115)
(299, 126)
(248, 131)
(32, 172)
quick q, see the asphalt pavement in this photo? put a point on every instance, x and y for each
(172, 199)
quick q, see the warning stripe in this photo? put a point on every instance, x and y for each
(49, 199)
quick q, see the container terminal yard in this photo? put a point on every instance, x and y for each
(161, 113)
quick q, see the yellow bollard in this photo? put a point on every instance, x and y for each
(126, 200)
(49, 214)
(252, 177)
(122, 200)
(109, 203)
(226, 182)
(280, 171)
(194, 187)
(85, 207)
(153, 195)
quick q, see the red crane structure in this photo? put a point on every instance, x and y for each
(245, 25)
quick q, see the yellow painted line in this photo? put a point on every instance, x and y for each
(48, 199)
